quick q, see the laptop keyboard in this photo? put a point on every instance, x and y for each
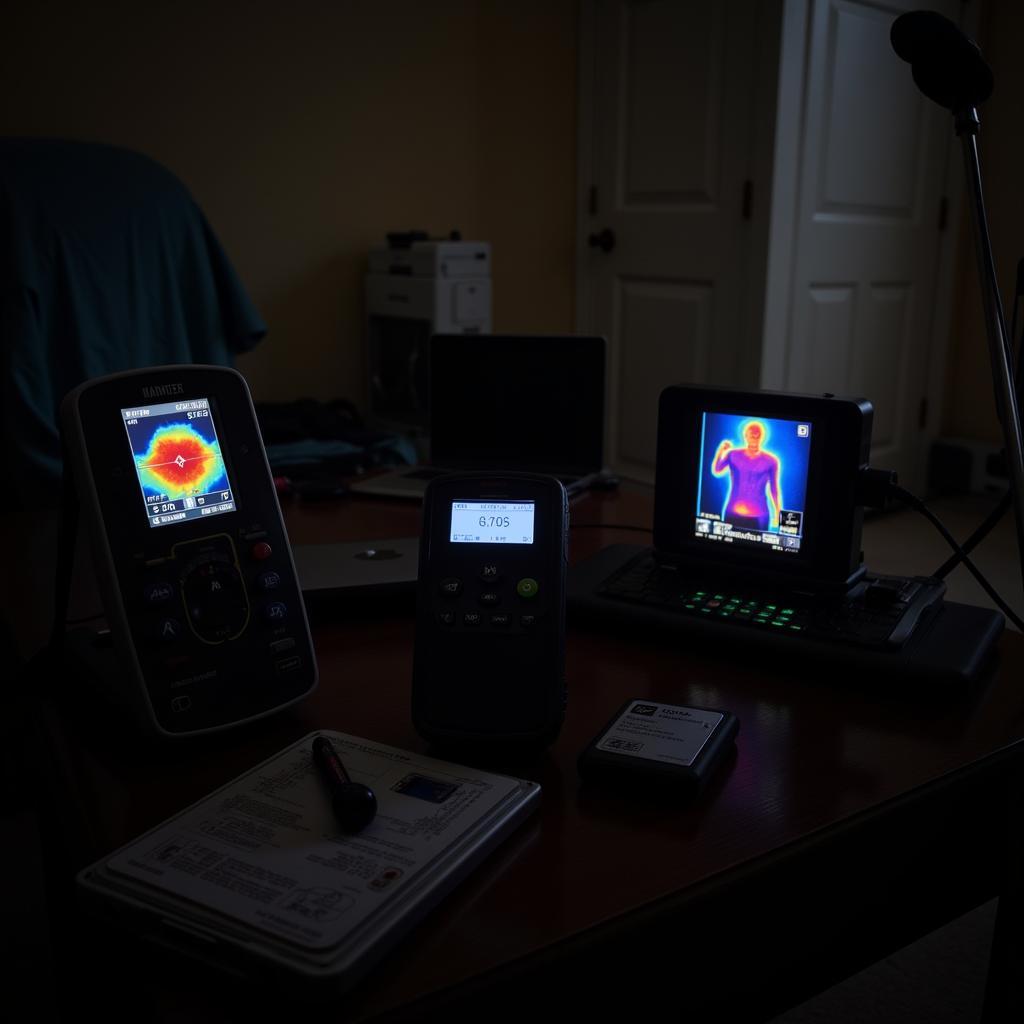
(424, 474)
(879, 612)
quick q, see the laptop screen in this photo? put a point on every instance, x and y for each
(515, 402)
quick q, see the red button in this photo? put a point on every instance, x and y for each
(261, 551)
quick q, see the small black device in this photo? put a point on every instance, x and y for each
(354, 804)
(757, 541)
(206, 617)
(489, 664)
(668, 746)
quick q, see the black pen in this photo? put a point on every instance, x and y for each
(354, 804)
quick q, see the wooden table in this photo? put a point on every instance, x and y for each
(853, 819)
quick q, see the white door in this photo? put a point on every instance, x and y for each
(666, 133)
(869, 219)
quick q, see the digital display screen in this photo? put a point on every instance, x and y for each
(492, 522)
(752, 481)
(178, 461)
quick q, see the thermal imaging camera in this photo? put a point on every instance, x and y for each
(207, 623)
(758, 512)
(763, 483)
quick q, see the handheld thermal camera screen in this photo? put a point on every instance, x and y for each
(752, 481)
(178, 461)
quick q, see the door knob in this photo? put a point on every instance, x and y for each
(605, 241)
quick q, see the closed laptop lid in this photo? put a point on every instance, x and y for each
(363, 566)
(533, 403)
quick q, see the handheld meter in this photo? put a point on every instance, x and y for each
(191, 555)
(489, 664)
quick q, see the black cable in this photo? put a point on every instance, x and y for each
(609, 526)
(1013, 320)
(919, 506)
(982, 531)
(975, 538)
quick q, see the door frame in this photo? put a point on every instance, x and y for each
(759, 167)
(775, 157)
(785, 209)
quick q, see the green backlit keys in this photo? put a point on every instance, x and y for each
(740, 608)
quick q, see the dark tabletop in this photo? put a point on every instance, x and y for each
(825, 807)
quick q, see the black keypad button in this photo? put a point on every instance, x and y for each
(159, 592)
(450, 587)
(168, 631)
(489, 573)
(499, 621)
(275, 612)
(527, 621)
(489, 598)
(446, 618)
(471, 619)
(216, 600)
(269, 580)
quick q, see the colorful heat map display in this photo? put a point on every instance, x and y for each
(752, 481)
(178, 461)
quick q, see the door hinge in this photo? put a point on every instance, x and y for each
(943, 213)
(922, 413)
(592, 201)
(748, 199)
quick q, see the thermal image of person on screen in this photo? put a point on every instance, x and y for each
(754, 496)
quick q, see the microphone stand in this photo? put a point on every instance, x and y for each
(966, 124)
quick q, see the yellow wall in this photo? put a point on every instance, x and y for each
(306, 130)
(969, 409)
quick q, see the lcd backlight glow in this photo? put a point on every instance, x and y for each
(752, 481)
(178, 461)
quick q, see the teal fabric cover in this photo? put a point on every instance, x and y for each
(106, 264)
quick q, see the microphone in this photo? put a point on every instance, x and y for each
(947, 66)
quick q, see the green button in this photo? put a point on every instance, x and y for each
(527, 587)
(689, 606)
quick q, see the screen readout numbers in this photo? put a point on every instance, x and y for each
(492, 522)
(178, 461)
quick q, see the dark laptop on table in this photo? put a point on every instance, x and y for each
(527, 403)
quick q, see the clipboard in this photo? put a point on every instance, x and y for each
(257, 877)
